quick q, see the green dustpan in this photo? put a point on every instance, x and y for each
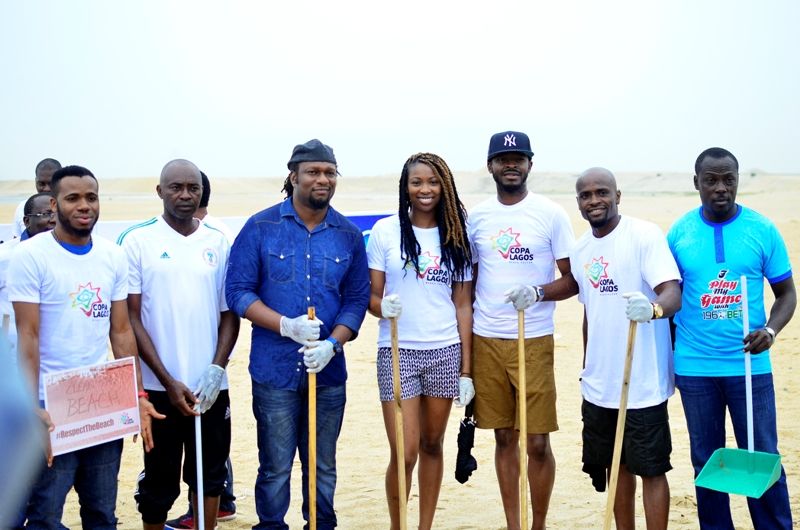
(741, 471)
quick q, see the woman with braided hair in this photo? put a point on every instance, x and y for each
(421, 273)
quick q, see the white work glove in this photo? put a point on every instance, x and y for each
(208, 390)
(391, 306)
(466, 391)
(522, 296)
(317, 355)
(639, 307)
(300, 329)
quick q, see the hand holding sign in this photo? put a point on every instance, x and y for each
(48, 423)
(147, 412)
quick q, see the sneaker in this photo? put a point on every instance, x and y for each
(185, 521)
(225, 515)
(167, 526)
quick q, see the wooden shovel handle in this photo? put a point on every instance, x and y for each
(522, 407)
(312, 441)
(623, 411)
(398, 426)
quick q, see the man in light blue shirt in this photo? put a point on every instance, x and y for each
(714, 246)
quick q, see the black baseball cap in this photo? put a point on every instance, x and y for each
(509, 142)
(312, 151)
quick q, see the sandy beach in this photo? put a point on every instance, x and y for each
(363, 449)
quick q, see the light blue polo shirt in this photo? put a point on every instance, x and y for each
(711, 258)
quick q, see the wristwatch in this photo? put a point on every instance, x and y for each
(658, 311)
(539, 292)
(771, 333)
(337, 346)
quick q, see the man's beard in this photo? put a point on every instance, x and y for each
(319, 204)
(599, 223)
(511, 188)
(69, 229)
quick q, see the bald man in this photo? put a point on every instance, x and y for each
(185, 334)
(624, 271)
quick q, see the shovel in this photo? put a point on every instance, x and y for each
(312, 441)
(737, 471)
(622, 413)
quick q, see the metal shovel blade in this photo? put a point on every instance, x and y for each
(740, 472)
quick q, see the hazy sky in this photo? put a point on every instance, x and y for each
(632, 85)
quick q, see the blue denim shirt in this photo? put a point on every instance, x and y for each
(277, 260)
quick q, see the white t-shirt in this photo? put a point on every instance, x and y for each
(18, 225)
(6, 309)
(182, 283)
(428, 319)
(74, 294)
(633, 257)
(512, 245)
(214, 222)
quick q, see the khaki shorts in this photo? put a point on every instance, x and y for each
(494, 373)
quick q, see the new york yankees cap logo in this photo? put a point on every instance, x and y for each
(509, 142)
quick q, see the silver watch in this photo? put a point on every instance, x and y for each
(539, 292)
(771, 333)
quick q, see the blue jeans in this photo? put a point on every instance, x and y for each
(704, 402)
(282, 430)
(93, 472)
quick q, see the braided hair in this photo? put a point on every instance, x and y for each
(450, 219)
(288, 188)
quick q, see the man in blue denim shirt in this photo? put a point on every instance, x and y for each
(293, 255)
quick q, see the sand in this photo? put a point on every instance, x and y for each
(363, 449)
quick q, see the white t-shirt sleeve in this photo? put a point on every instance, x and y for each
(133, 264)
(467, 275)
(658, 265)
(226, 252)
(575, 267)
(563, 237)
(18, 226)
(471, 238)
(376, 253)
(121, 282)
(5, 257)
(24, 277)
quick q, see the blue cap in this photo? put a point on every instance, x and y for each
(509, 142)
(312, 151)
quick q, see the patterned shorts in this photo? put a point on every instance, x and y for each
(431, 373)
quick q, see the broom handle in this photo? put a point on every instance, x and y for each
(199, 494)
(621, 415)
(312, 442)
(748, 380)
(522, 393)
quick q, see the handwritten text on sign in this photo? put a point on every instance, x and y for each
(92, 405)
